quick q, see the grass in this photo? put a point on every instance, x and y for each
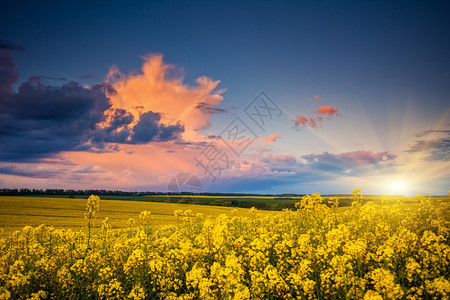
(17, 212)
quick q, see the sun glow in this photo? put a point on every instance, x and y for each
(397, 187)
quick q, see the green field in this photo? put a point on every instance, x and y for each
(17, 212)
(275, 203)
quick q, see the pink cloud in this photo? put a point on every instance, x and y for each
(288, 159)
(150, 165)
(348, 83)
(364, 157)
(262, 150)
(315, 98)
(315, 120)
(271, 138)
(301, 120)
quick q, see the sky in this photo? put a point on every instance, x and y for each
(242, 96)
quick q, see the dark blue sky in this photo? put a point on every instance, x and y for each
(385, 59)
(259, 43)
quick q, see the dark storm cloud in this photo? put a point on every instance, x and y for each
(30, 172)
(40, 120)
(8, 73)
(11, 46)
(147, 129)
(39, 171)
(169, 133)
(37, 101)
(209, 109)
(117, 130)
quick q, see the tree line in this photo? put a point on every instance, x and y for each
(62, 192)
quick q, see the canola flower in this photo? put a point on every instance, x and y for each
(369, 251)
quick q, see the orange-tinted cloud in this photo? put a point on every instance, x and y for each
(271, 138)
(305, 121)
(315, 120)
(326, 110)
(159, 88)
(301, 120)
(157, 91)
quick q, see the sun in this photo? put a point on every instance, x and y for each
(397, 187)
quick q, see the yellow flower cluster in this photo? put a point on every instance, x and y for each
(368, 251)
(92, 205)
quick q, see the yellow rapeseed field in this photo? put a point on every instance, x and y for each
(369, 251)
(18, 212)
